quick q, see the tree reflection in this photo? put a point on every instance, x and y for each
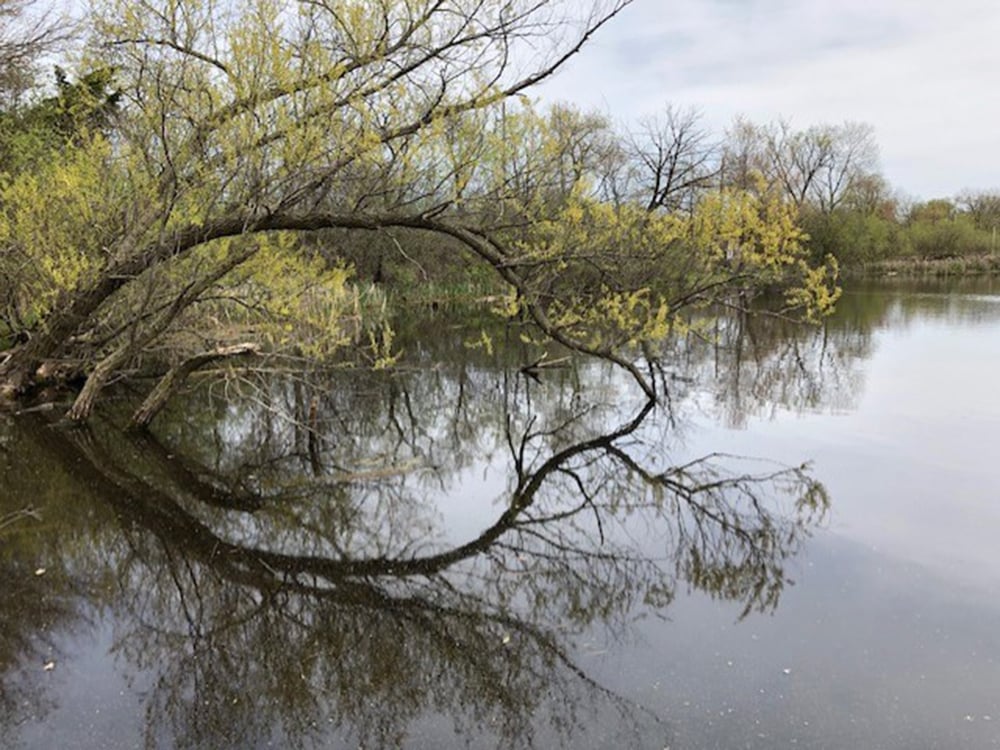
(27, 615)
(37, 602)
(754, 366)
(290, 575)
(751, 366)
(290, 559)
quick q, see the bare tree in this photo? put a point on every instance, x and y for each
(744, 160)
(852, 158)
(27, 33)
(817, 167)
(982, 206)
(675, 156)
(798, 158)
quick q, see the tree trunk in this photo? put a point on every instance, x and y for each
(87, 397)
(15, 376)
(173, 380)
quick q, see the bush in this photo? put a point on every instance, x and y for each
(948, 238)
(853, 237)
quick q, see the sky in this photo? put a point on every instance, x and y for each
(924, 73)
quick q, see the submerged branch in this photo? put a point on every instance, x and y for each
(173, 380)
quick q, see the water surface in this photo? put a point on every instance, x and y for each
(458, 553)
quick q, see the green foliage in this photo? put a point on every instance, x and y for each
(237, 132)
(617, 277)
(30, 135)
(59, 195)
(936, 229)
(932, 212)
(56, 222)
(853, 237)
(947, 237)
(290, 299)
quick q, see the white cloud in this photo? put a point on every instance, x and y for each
(923, 73)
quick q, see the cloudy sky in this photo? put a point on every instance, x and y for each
(924, 73)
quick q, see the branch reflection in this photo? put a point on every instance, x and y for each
(283, 569)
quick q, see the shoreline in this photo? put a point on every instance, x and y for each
(972, 265)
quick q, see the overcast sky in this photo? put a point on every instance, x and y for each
(924, 73)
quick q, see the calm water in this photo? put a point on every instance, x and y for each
(798, 549)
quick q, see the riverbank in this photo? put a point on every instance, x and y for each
(970, 265)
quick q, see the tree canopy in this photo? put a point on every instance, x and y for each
(169, 217)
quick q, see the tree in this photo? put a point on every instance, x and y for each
(932, 211)
(852, 163)
(744, 161)
(26, 34)
(939, 228)
(982, 206)
(675, 159)
(829, 173)
(871, 195)
(818, 167)
(30, 134)
(242, 128)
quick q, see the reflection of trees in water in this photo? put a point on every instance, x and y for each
(37, 601)
(902, 301)
(27, 615)
(277, 560)
(279, 563)
(754, 366)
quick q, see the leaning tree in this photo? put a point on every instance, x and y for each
(174, 230)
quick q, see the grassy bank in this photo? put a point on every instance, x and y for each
(969, 265)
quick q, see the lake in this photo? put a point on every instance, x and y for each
(796, 547)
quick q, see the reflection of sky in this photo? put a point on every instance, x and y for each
(910, 458)
(914, 470)
(96, 706)
(890, 635)
(879, 654)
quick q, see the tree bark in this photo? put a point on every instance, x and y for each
(85, 400)
(173, 380)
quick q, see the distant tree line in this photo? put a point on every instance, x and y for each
(829, 173)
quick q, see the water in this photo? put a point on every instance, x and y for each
(459, 554)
